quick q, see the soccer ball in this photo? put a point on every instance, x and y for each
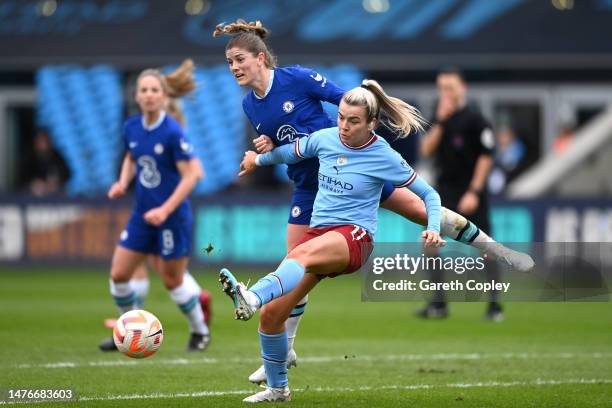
(138, 334)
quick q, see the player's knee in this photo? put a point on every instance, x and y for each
(120, 274)
(302, 254)
(172, 281)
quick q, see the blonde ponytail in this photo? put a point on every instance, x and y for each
(399, 116)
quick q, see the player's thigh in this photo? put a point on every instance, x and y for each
(154, 261)
(294, 233)
(274, 313)
(125, 261)
(324, 255)
(404, 202)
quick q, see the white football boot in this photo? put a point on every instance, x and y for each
(259, 376)
(518, 261)
(246, 302)
(270, 395)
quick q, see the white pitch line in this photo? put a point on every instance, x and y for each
(323, 359)
(490, 384)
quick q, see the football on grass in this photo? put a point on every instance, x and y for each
(138, 334)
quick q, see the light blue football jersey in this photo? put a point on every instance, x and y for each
(351, 178)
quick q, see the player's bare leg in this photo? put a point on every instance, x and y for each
(453, 225)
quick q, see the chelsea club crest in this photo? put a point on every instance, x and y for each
(288, 106)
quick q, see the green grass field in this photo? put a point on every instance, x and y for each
(350, 353)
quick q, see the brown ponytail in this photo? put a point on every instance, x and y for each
(248, 36)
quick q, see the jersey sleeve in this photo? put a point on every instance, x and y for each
(485, 141)
(401, 174)
(303, 148)
(182, 149)
(396, 170)
(319, 87)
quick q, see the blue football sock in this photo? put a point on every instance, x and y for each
(283, 280)
(274, 351)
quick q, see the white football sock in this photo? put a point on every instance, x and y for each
(124, 296)
(292, 323)
(189, 303)
(459, 228)
(141, 288)
(191, 283)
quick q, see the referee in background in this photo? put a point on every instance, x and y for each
(461, 141)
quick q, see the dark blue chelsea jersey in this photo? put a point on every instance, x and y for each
(292, 109)
(155, 150)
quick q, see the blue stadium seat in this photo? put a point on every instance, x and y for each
(82, 109)
(216, 126)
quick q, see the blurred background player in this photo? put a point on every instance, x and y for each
(140, 279)
(462, 142)
(161, 158)
(286, 102)
(343, 222)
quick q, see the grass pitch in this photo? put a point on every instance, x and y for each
(349, 353)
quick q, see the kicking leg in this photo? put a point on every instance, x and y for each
(404, 202)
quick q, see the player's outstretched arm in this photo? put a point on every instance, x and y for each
(128, 170)
(433, 206)
(288, 154)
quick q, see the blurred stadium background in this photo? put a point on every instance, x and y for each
(540, 70)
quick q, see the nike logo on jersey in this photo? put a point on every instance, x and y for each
(257, 127)
(133, 144)
(186, 147)
(318, 77)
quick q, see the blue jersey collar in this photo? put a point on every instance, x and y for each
(270, 82)
(157, 123)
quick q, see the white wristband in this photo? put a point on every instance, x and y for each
(257, 160)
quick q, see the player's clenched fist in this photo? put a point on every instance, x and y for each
(248, 164)
(263, 144)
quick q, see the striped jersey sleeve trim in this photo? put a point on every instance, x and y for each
(409, 181)
(297, 149)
